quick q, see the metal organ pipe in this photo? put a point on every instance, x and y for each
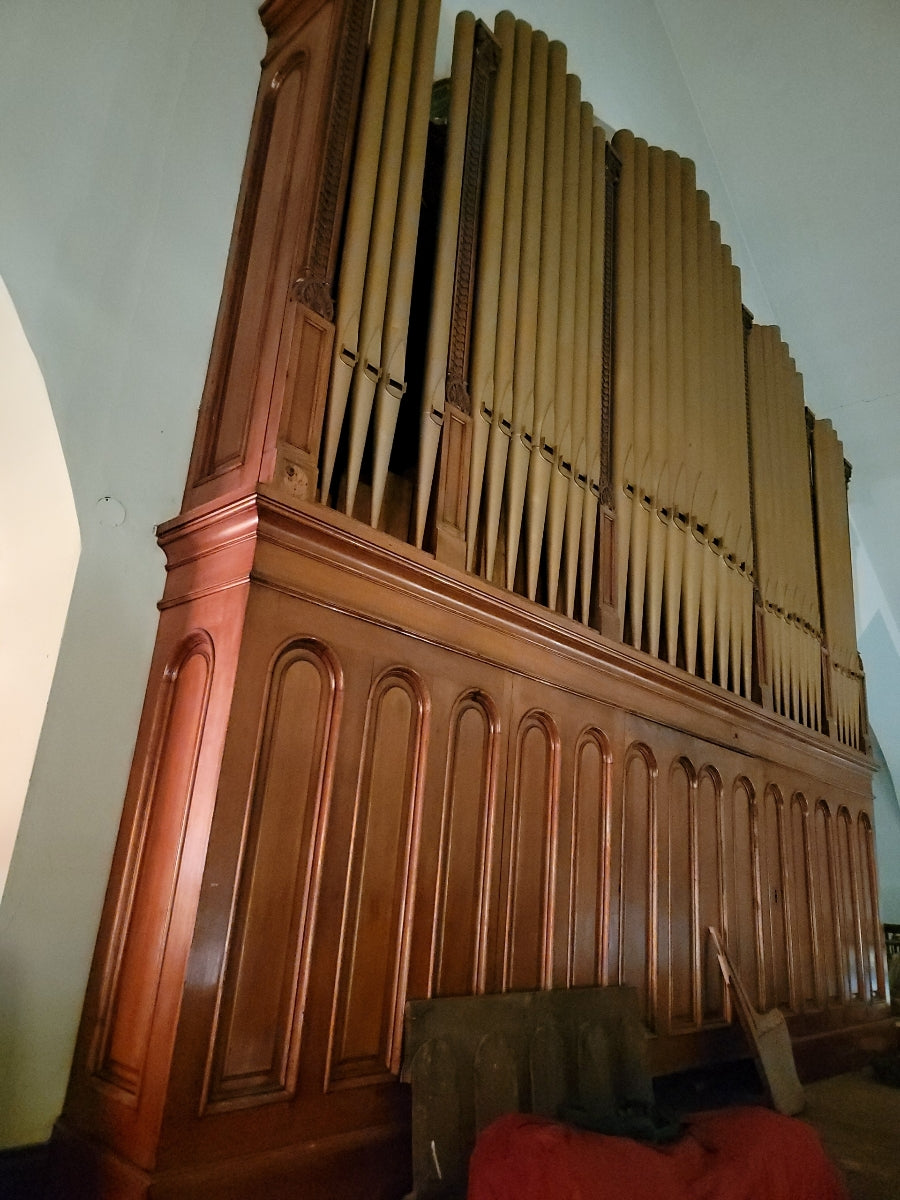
(695, 440)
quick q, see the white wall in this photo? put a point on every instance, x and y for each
(39, 546)
(123, 127)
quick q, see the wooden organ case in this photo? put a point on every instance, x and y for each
(507, 640)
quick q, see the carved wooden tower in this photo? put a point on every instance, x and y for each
(374, 766)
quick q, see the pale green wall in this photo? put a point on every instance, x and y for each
(123, 127)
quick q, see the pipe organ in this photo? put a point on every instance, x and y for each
(507, 639)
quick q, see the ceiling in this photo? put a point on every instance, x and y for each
(799, 102)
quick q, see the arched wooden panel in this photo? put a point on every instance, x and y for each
(377, 921)
(638, 878)
(746, 935)
(590, 859)
(803, 916)
(257, 1030)
(679, 912)
(711, 903)
(774, 906)
(847, 900)
(828, 942)
(873, 955)
(138, 943)
(467, 823)
(529, 855)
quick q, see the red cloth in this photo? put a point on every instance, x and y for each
(733, 1154)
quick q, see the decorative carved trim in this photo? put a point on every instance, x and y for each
(317, 275)
(458, 394)
(485, 60)
(314, 294)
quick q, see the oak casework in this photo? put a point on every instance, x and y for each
(365, 772)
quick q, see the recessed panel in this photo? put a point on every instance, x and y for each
(801, 904)
(152, 874)
(827, 916)
(531, 835)
(377, 915)
(681, 904)
(637, 935)
(710, 891)
(258, 1028)
(589, 867)
(463, 883)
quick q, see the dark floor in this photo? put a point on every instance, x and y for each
(858, 1120)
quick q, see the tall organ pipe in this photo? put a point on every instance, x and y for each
(368, 368)
(487, 286)
(504, 361)
(624, 365)
(693, 410)
(578, 472)
(527, 308)
(595, 383)
(640, 509)
(542, 427)
(351, 281)
(678, 496)
(557, 430)
(392, 383)
(657, 478)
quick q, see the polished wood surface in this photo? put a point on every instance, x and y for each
(490, 798)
